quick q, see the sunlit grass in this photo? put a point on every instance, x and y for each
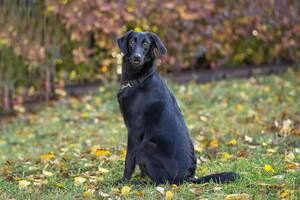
(238, 125)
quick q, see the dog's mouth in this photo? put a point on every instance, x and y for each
(136, 62)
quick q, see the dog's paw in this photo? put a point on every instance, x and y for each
(139, 182)
(120, 182)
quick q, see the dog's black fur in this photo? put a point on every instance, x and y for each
(158, 140)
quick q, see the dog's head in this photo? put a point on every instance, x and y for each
(139, 47)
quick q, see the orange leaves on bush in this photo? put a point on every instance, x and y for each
(104, 69)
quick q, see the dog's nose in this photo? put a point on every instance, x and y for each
(136, 58)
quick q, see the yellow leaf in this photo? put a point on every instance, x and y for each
(102, 170)
(203, 118)
(214, 143)
(23, 184)
(101, 152)
(123, 154)
(59, 185)
(169, 195)
(79, 180)
(88, 193)
(125, 190)
(226, 156)
(269, 168)
(47, 156)
(40, 182)
(242, 196)
(232, 142)
(289, 157)
(283, 194)
(47, 173)
(239, 107)
(199, 148)
(85, 115)
(2, 142)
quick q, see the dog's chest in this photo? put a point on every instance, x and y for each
(133, 104)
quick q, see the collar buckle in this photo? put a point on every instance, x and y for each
(124, 86)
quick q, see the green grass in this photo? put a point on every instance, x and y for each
(251, 112)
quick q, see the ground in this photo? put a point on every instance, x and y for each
(75, 148)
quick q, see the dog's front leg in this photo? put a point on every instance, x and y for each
(130, 161)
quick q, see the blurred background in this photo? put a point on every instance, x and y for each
(47, 44)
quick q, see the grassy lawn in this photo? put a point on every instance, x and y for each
(75, 149)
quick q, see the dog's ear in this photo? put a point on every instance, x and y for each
(122, 42)
(158, 43)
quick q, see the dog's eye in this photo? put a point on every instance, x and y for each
(145, 44)
(132, 42)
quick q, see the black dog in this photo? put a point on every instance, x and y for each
(158, 140)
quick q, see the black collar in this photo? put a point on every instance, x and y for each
(133, 83)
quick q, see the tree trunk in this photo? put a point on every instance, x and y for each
(7, 99)
(49, 83)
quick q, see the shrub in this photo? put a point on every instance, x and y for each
(60, 41)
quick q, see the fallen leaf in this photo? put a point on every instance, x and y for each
(199, 148)
(289, 157)
(269, 168)
(203, 118)
(217, 188)
(47, 156)
(239, 107)
(47, 173)
(102, 194)
(232, 142)
(102, 152)
(123, 154)
(291, 167)
(226, 156)
(248, 139)
(160, 190)
(102, 170)
(59, 185)
(125, 190)
(286, 193)
(242, 196)
(169, 195)
(286, 126)
(79, 180)
(40, 182)
(140, 193)
(214, 143)
(23, 184)
(88, 193)
(279, 176)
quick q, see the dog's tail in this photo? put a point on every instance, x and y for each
(224, 177)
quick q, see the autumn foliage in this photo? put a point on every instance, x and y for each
(58, 41)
